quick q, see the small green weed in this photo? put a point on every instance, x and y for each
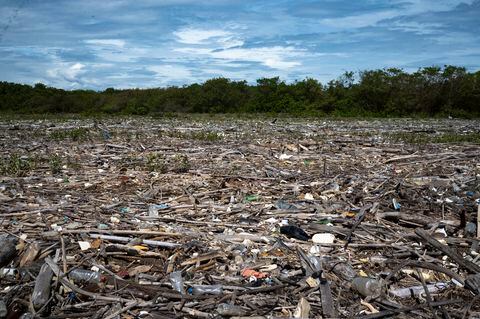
(180, 164)
(208, 136)
(73, 164)
(16, 165)
(156, 163)
(424, 138)
(159, 163)
(55, 164)
(76, 134)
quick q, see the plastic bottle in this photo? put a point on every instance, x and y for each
(8, 273)
(18, 274)
(8, 249)
(84, 276)
(153, 209)
(3, 309)
(41, 291)
(340, 268)
(177, 281)
(228, 310)
(198, 290)
(368, 287)
(470, 230)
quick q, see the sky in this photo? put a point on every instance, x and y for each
(88, 44)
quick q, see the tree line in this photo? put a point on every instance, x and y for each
(430, 91)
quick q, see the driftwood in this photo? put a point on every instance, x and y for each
(185, 217)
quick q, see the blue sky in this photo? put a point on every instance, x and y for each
(123, 44)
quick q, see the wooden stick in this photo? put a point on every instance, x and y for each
(56, 270)
(157, 243)
(428, 297)
(120, 311)
(120, 232)
(389, 313)
(64, 255)
(359, 219)
(478, 222)
(468, 265)
(328, 307)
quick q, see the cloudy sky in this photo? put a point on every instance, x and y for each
(120, 43)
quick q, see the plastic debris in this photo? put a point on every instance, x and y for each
(8, 249)
(323, 238)
(229, 310)
(3, 309)
(41, 291)
(153, 209)
(177, 281)
(198, 290)
(292, 231)
(84, 276)
(368, 287)
(415, 291)
(303, 309)
(280, 204)
(195, 218)
(247, 273)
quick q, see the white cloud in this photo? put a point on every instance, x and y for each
(274, 57)
(217, 37)
(172, 72)
(409, 8)
(226, 46)
(107, 42)
(279, 64)
(359, 21)
(198, 36)
(67, 71)
(416, 27)
(420, 6)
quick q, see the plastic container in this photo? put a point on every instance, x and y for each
(8, 273)
(85, 276)
(368, 287)
(153, 209)
(41, 291)
(3, 309)
(470, 230)
(340, 268)
(177, 281)
(228, 310)
(198, 290)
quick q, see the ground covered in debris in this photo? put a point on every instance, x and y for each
(228, 218)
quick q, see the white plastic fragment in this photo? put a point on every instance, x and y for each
(309, 196)
(284, 157)
(323, 238)
(84, 245)
(114, 220)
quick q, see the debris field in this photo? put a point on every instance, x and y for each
(205, 217)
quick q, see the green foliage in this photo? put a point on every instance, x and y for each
(208, 136)
(424, 138)
(156, 163)
(76, 134)
(161, 164)
(16, 165)
(180, 163)
(55, 164)
(430, 91)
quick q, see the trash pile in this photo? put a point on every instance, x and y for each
(154, 218)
